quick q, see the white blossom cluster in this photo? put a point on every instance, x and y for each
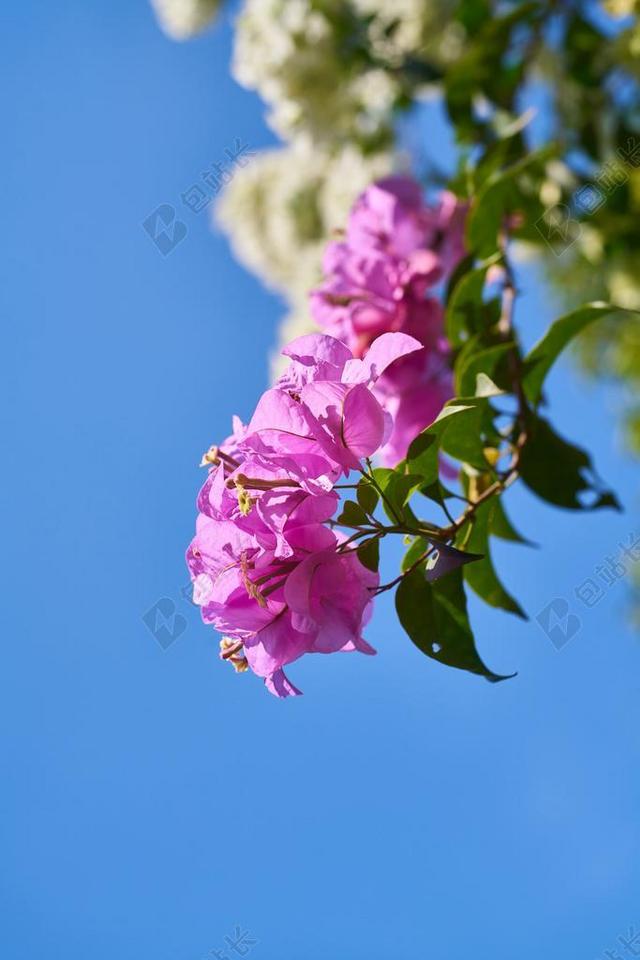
(182, 19)
(333, 67)
(332, 73)
(280, 210)
(283, 206)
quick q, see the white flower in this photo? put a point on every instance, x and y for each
(182, 19)
(336, 69)
(281, 209)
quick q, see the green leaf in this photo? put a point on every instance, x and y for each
(501, 526)
(483, 66)
(456, 431)
(461, 270)
(437, 492)
(466, 310)
(497, 198)
(422, 456)
(369, 554)
(397, 488)
(353, 515)
(481, 576)
(559, 472)
(463, 436)
(485, 387)
(435, 617)
(541, 358)
(367, 495)
(489, 361)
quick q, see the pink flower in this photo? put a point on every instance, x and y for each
(268, 571)
(274, 609)
(396, 249)
(323, 405)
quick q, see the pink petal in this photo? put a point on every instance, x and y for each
(315, 348)
(280, 686)
(277, 411)
(364, 422)
(383, 351)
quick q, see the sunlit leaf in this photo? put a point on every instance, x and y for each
(541, 358)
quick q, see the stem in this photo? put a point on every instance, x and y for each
(393, 583)
(505, 327)
(381, 491)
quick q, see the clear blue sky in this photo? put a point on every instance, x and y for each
(151, 799)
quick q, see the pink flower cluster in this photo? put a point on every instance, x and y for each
(380, 278)
(269, 572)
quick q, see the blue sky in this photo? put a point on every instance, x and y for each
(153, 801)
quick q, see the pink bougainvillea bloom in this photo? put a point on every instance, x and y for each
(325, 407)
(380, 278)
(268, 571)
(273, 610)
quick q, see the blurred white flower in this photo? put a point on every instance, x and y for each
(336, 69)
(281, 208)
(182, 19)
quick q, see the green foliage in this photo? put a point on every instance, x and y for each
(541, 358)
(466, 313)
(369, 554)
(481, 576)
(367, 496)
(493, 430)
(435, 617)
(500, 525)
(559, 472)
(352, 514)
(506, 193)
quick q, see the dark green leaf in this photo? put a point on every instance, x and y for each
(501, 526)
(435, 617)
(560, 472)
(367, 495)
(463, 436)
(463, 267)
(466, 311)
(481, 576)
(369, 554)
(436, 492)
(483, 66)
(353, 515)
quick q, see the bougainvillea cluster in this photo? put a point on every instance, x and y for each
(384, 275)
(269, 571)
